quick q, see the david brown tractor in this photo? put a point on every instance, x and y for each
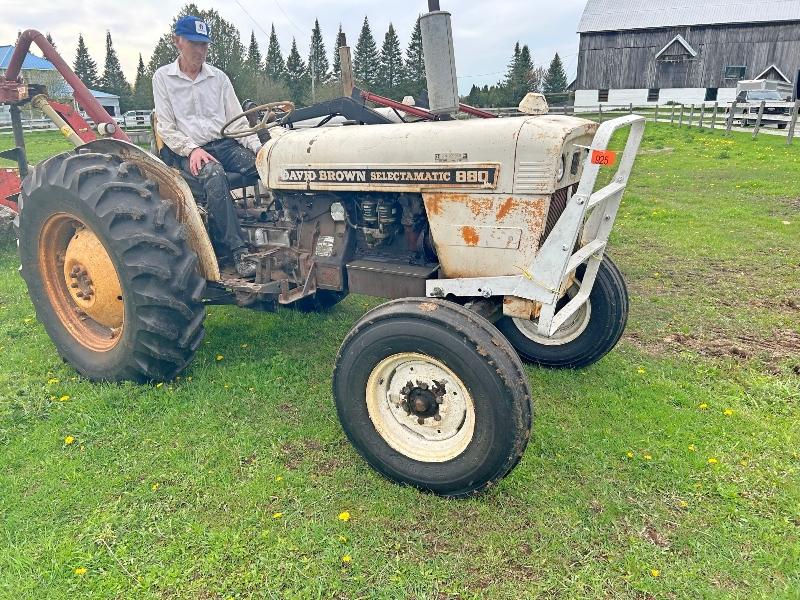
(487, 232)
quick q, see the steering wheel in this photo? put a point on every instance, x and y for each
(267, 122)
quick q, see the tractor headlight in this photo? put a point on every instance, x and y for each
(562, 167)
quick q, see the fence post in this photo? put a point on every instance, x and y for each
(672, 116)
(793, 123)
(655, 120)
(631, 110)
(702, 114)
(680, 120)
(730, 117)
(758, 120)
(714, 116)
(600, 111)
(691, 117)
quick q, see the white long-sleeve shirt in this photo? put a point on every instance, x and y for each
(191, 112)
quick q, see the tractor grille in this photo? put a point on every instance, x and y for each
(558, 203)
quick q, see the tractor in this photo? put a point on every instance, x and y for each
(486, 234)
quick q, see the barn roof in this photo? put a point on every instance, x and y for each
(621, 15)
(31, 61)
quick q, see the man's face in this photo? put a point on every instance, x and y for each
(193, 53)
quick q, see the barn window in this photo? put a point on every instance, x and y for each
(602, 95)
(653, 94)
(736, 72)
(711, 94)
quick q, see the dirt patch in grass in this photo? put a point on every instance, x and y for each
(781, 345)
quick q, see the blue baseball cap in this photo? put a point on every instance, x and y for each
(193, 29)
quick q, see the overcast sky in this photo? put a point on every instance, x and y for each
(484, 32)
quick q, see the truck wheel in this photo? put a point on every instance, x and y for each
(431, 395)
(321, 301)
(585, 338)
(108, 268)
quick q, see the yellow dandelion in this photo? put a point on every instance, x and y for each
(277, 515)
(278, 478)
(52, 381)
(80, 571)
(692, 448)
(640, 370)
(648, 457)
(343, 539)
(344, 516)
(69, 440)
(63, 398)
(727, 412)
(683, 504)
(347, 558)
(655, 572)
(155, 486)
(712, 461)
(702, 406)
(220, 357)
(629, 454)
(743, 463)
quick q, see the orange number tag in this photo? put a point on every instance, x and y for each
(604, 158)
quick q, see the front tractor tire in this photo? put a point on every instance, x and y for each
(108, 269)
(432, 396)
(585, 338)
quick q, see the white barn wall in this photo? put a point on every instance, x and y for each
(638, 97)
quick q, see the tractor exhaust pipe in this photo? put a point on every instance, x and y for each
(440, 60)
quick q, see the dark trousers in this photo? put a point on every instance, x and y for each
(232, 157)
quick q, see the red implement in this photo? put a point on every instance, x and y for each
(10, 186)
(81, 92)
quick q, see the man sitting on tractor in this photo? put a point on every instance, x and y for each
(193, 100)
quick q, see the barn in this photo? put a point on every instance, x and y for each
(689, 51)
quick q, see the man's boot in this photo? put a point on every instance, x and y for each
(244, 267)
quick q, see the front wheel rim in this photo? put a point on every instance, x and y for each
(420, 407)
(569, 331)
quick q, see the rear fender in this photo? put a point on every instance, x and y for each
(172, 187)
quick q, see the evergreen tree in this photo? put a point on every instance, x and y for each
(474, 96)
(253, 60)
(85, 68)
(49, 38)
(297, 78)
(275, 66)
(415, 83)
(251, 71)
(164, 53)
(317, 59)
(142, 88)
(113, 80)
(522, 77)
(390, 69)
(555, 81)
(513, 67)
(336, 70)
(366, 60)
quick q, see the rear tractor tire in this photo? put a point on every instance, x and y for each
(586, 337)
(432, 396)
(108, 268)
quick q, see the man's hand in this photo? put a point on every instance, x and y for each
(198, 159)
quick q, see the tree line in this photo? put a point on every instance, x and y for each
(388, 70)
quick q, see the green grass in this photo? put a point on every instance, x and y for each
(174, 491)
